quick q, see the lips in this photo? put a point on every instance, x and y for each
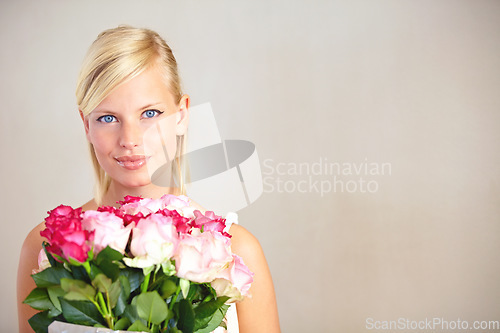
(132, 162)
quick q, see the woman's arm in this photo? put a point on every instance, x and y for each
(28, 261)
(258, 313)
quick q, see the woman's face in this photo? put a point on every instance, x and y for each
(135, 127)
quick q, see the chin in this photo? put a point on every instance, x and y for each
(135, 181)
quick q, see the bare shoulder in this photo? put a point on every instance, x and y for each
(33, 241)
(262, 303)
(28, 261)
(243, 242)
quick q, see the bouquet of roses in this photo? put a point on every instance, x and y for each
(151, 265)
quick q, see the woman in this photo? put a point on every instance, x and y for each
(128, 84)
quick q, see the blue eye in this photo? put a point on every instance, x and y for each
(106, 119)
(151, 113)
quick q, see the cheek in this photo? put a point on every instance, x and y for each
(101, 140)
(160, 143)
(160, 139)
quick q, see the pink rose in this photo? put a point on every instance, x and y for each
(210, 222)
(65, 234)
(127, 218)
(145, 206)
(43, 262)
(201, 256)
(234, 281)
(179, 203)
(171, 201)
(108, 230)
(154, 241)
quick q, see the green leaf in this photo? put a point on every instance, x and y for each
(81, 312)
(50, 276)
(122, 324)
(40, 322)
(108, 254)
(54, 312)
(124, 295)
(77, 290)
(151, 307)
(54, 293)
(134, 277)
(138, 326)
(194, 292)
(79, 273)
(114, 293)
(168, 288)
(174, 330)
(205, 311)
(215, 321)
(94, 272)
(108, 261)
(186, 317)
(112, 270)
(39, 299)
(131, 313)
(102, 283)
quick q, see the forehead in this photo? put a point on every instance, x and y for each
(147, 88)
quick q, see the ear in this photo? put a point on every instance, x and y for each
(182, 120)
(85, 124)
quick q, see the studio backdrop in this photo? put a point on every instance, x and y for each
(372, 128)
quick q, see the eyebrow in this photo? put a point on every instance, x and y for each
(105, 110)
(150, 105)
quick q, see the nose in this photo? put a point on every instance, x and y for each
(131, 136)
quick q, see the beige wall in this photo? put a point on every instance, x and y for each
(413, 84)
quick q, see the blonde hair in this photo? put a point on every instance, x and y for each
(116, 56)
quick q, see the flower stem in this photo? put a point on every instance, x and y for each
(110, 311)
(104, 310)
(145, 283)
(174, 298)
(86, 265)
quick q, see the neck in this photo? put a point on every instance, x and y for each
(116, 192)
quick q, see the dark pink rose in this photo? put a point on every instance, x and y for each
(110, 209)
(64, 232)
(129, 199)
(210, 222)
(182, 224)
(134, 219)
